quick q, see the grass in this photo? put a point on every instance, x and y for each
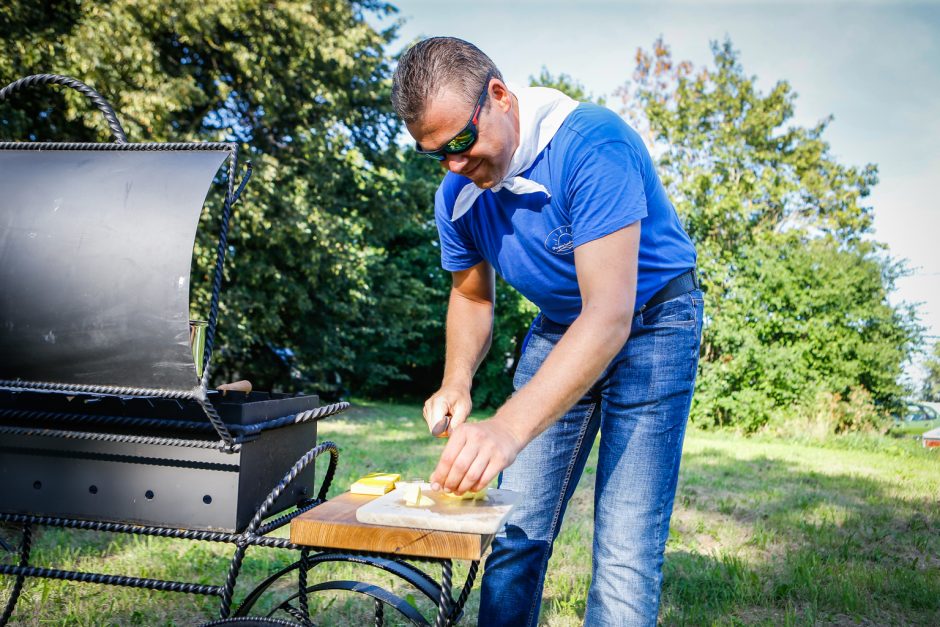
(843, 531)
(914, 428)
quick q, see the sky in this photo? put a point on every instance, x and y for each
(872, 65)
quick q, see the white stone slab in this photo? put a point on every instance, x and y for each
(446, 514)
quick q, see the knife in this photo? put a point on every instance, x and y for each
(440, 430)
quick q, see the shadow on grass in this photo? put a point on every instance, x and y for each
(387, 438)
(794, 546)
(755, 541)
(45, 602)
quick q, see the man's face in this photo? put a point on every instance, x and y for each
(487, 160)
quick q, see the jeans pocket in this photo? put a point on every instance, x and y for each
(677, 312)
(537, 349)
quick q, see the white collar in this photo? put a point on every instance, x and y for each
(542, 111)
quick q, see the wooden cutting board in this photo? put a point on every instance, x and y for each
(446, 514)
(333, 525)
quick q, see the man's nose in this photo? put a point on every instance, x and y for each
(456, 163)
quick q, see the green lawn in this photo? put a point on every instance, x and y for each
(845, 531)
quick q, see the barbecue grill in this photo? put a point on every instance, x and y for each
(106, 419)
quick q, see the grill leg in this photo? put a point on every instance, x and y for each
(443, 611)
(379, 613)
(302, 582)
(18, 584)
(457, 609)
(229, 589)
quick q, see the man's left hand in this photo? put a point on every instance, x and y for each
(474, 455)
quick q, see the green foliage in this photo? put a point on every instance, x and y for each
(514, 313)
(800, 318)
(565, 84)
(332, 249)
(855, 413)
(796, 290)
(329, 251)
(930, 389)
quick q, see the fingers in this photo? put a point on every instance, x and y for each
(461, 465)
(475, 454)
(435, 409)
(460, 412)
(447, 402)
(448, 457)
(492, 469)
(473, 475)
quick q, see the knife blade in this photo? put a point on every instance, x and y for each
(440, 430)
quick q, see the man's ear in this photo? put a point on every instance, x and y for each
(500, 95)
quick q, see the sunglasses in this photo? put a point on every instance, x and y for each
(462, 141)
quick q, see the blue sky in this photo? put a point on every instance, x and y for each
(874, 66)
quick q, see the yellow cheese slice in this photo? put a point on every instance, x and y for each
(468, 496)
(375, 483)
(382, 476)
(414, 498)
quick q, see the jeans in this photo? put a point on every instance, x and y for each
(640, 405)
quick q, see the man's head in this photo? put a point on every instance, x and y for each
(454, 102)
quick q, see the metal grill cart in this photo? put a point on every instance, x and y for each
(106, 419)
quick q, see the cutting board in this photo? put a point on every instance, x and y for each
(333, 525)
(446, 514)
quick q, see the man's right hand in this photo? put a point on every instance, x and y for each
(450, 400)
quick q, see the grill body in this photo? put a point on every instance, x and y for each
(172, 484)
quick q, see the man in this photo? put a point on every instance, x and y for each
(561, 199)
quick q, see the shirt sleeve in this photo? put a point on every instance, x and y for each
(458, 251)
(606, 192)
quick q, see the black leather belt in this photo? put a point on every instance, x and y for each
(682, 284)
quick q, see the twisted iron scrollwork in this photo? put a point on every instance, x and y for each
(231, 438)
(117, 131)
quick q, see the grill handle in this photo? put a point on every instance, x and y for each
(117, 132)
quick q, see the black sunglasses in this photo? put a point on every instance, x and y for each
(462, 141)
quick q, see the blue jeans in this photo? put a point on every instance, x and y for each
(640, 404)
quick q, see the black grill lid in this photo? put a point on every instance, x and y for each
(235, 408)
(95, 255)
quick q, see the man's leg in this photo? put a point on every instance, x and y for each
(545, 473)
(646, 395)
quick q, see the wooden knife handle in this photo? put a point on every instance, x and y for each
(235, 386)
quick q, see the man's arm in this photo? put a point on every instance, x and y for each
(607, 272)
(469, 333)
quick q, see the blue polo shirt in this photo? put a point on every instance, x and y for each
(601, 179)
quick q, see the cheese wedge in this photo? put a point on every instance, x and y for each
(468, 496)
(375, 483)
(414, 498)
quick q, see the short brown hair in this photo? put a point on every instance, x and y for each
(429, 66)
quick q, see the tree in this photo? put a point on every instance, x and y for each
(796, 289)
(327, 246)
(801, 322)
(930, 389)
(565, 84)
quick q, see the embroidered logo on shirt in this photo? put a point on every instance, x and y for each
(560, 241)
